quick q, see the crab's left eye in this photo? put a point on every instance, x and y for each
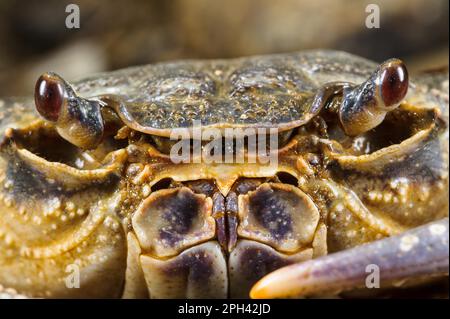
(49, 97)
(394, 83)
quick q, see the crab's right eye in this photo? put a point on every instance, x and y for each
(49, 96)
(78, 120)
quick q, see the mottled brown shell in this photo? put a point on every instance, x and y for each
(267, 91)
(118, 211)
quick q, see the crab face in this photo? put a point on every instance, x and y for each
(93, 181)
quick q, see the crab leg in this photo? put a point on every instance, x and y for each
(421, 252)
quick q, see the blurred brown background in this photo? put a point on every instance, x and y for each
(116, 34)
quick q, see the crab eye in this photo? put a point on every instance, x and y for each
(394, 83)
(365, 106)
(49, 97)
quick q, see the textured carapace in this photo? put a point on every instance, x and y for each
(89, 186)
(276, 91)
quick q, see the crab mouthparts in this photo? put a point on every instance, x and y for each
(213, 245)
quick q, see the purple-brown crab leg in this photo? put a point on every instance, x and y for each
(420, 252)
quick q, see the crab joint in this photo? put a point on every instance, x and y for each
(77, 120)
(365, 106)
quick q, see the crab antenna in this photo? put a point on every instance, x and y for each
(365, 106)
(415, 254)
(77, 120)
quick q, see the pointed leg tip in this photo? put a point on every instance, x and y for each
(281, 283)
(397, 257)
(259, 291)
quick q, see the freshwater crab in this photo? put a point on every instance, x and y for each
(86, 179)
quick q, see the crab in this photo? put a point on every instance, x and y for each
(93, 205)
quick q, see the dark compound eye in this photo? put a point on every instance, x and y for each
(394, 83)
(49, 97)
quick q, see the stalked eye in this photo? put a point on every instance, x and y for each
(49, 96)
(365, 106)
(78, 120)
(394, 82)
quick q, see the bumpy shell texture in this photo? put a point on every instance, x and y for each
(136, 225)
(267, 91)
